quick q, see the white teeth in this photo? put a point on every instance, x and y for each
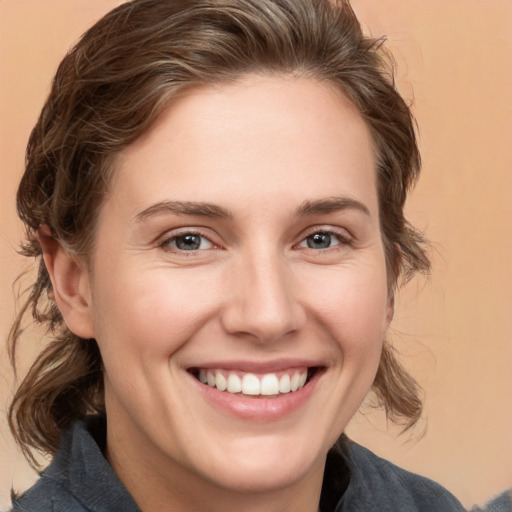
(220, 382)
(234, 383)
(284, 384)
(269, 385)
(250, 384)
(294, 384)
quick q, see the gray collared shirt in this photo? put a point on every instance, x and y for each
(81, 480)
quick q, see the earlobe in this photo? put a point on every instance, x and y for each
(390, 309)
(71, 284)
(393, 274)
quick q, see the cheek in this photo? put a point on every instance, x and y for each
(148, 314)
(356, 299)
(352, 304)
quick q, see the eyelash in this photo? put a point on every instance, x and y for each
(166, 243)
(341, 235)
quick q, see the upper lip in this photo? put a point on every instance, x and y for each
(257, 366)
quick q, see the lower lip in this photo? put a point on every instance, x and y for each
(259, 409)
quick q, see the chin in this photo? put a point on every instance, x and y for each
(260, 478)
(266, 465)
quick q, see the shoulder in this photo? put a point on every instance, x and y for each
(79, 479)
(379, 485)
(49, 495)
(53, 490)
(500, 503)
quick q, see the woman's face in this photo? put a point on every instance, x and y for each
(240, 246)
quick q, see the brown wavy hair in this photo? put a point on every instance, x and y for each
(112, 86)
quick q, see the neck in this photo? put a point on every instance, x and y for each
(157, 483)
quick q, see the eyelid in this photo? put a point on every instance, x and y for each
(345, 237)
(164, 241)
(343, 234)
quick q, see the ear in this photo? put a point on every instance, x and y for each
(390, 308)
(393, 270)
(71, 284)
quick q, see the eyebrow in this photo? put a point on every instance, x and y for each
(330, 204)
(200, 209)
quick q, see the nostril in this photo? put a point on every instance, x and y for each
(262, 306)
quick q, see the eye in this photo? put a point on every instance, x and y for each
(323, 240)
(187, 242)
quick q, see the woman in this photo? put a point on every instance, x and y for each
(215, 193)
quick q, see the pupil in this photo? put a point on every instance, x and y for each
(319, 241)
(188, 242)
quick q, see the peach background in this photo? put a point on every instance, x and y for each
(455, 330)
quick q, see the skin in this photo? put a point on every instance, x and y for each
(267, 151)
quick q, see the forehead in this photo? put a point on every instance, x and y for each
(272, 134)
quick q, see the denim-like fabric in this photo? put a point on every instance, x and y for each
(500, 503)
(80, 480)
(377, 485)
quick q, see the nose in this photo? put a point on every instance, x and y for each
(263, 300)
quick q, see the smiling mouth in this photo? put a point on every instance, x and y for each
(254, 385)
